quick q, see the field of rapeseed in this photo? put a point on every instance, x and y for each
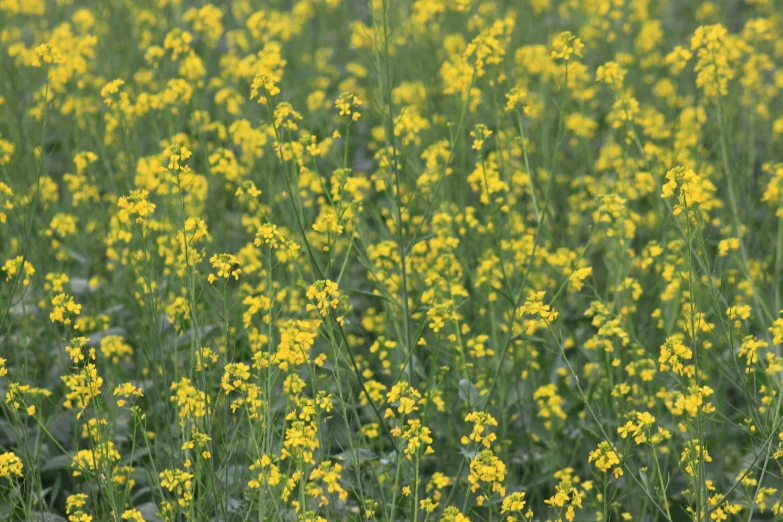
(391, 260)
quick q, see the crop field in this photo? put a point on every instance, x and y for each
(391, 260)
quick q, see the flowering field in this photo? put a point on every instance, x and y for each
(422, 260)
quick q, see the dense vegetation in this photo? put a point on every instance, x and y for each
(428, 260)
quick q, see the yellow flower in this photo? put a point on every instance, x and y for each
(487, 468)
(264, 85)
(611, 73)
(690, 185)
(515, 502)
(565, 46)
(134, 515)
(135, 204)
(514, 98)
(325, 295)
(347, 103)
(128, 391)
(227, 265)
(63, 309)
(405, 396)
(479, 135)
(11, 269)
(673, 356)
(481, 421)
(10, 466)
(534, 305)
(605, 457)
(48, 54)
(83, 386)
(113, 87)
